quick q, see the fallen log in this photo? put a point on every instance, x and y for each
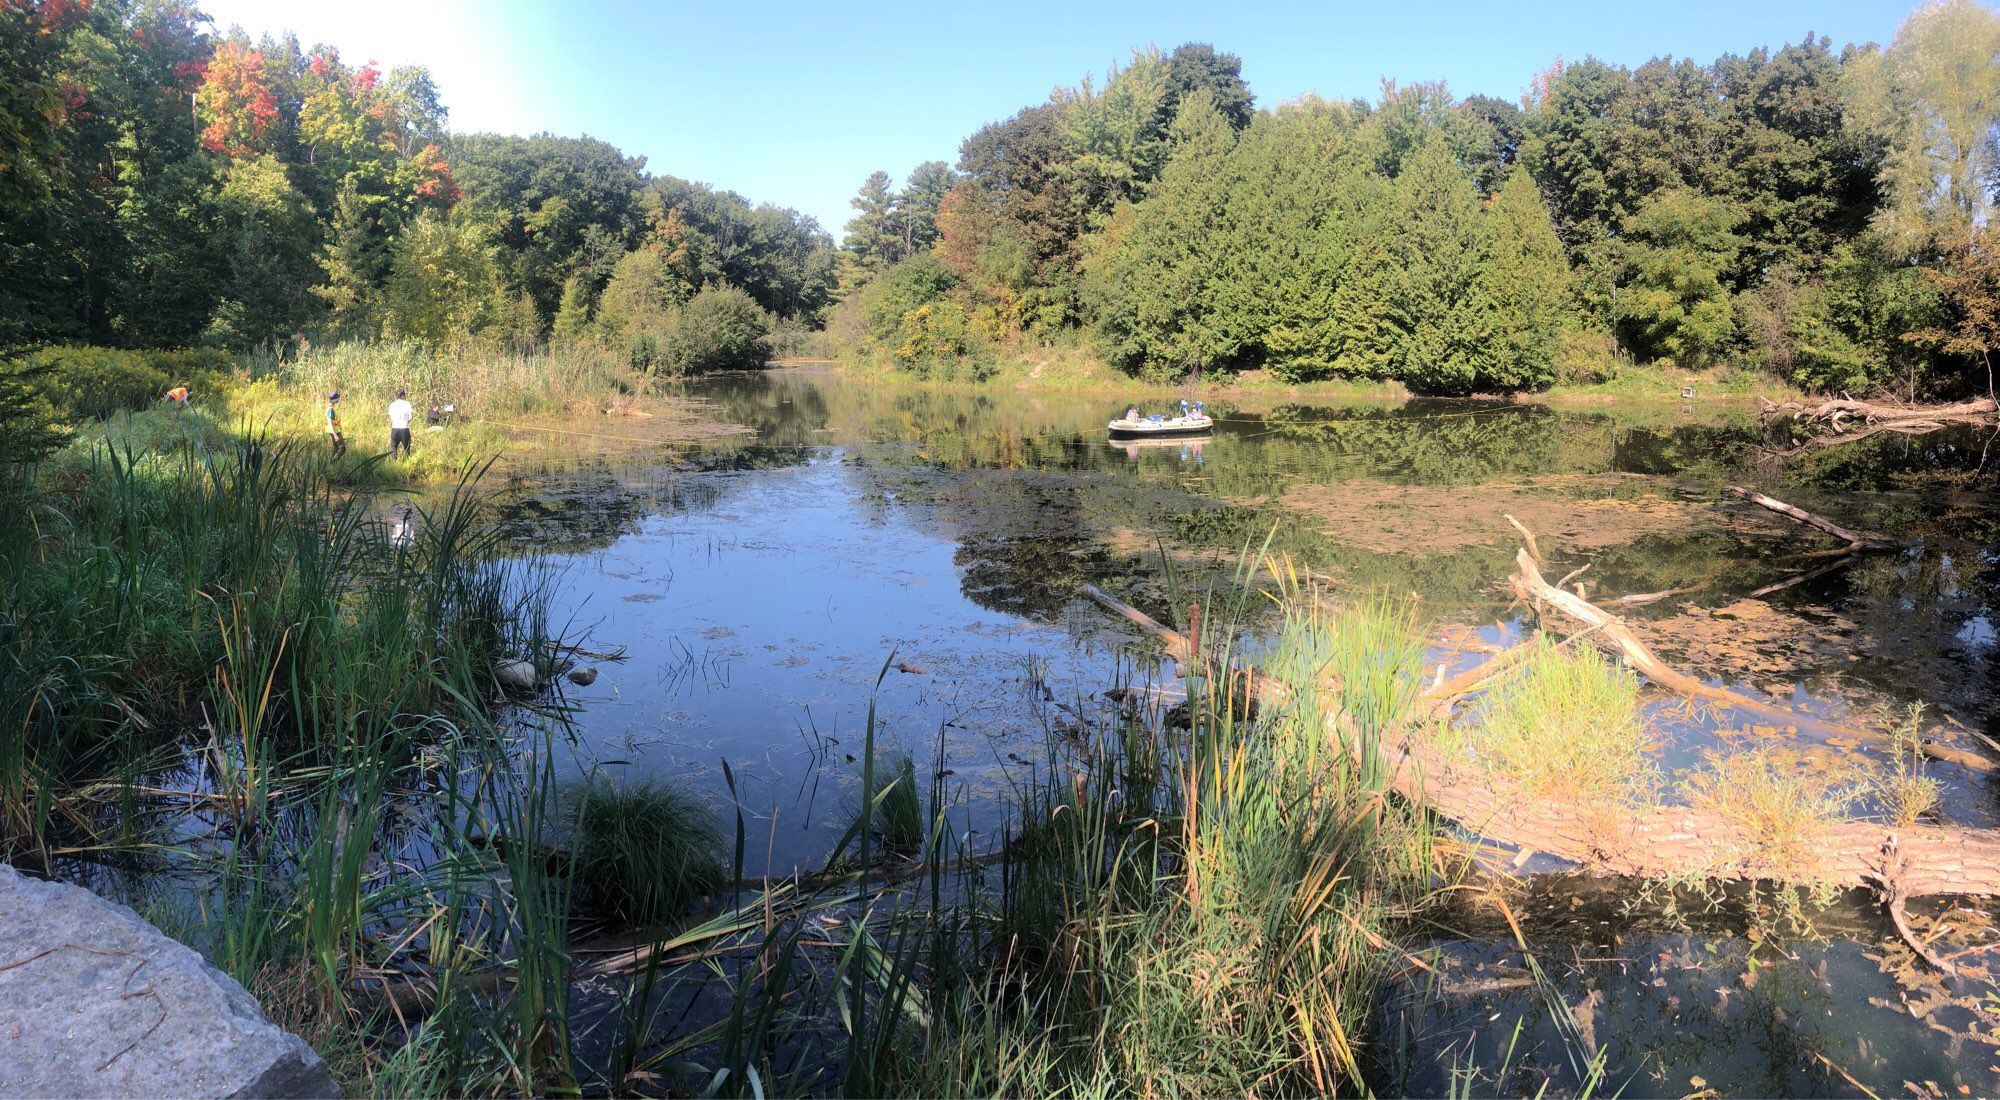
(1857, 541)
(1644, 841)
(1805, 575)
(1878, 418)
(1979, 410)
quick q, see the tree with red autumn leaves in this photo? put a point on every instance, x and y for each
(236, 104)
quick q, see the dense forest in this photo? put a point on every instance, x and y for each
(163, 185)
(1823, 214)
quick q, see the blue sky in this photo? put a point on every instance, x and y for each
(795, 103)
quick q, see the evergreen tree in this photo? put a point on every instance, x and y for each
(1528, 280)
(1296, 200)
(1438, 291)
(1370, 339)
(266, 235)
(916, 206)
(356, 262)
(1153, 294)
(871, 234)
(573, 312)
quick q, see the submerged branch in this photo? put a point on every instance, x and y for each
(1857, 541)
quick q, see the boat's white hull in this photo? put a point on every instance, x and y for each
(1159, 429)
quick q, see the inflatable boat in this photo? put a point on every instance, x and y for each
(1161, 427)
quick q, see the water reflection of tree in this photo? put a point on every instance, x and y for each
(1032, 576)
(1953, 457)
(575, 513)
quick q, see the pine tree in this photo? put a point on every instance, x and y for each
(1367, 339)
(871, 235)
(356, 261)
(1528, 279)
(1154, 292)
(1437, 253)
(573, 314)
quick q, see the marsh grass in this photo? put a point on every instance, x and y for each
(642, 851)
(1201, 907)
(1566, 724)
(219, 669)
(485, 382)
(1786, 808)
(1194, 910)
(1905, 791)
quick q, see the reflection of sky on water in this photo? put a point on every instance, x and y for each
(756, 629)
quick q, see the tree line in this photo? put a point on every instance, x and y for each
(1823, 214)
(164, 185)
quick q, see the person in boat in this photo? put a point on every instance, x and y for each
(1184, 408)
(1132, 413)
(1200, 411)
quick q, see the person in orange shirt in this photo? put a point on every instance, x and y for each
(179, 395)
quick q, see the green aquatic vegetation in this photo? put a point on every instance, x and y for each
(1199, 910)
(642, 850)
(1905, 790)
(1565, 724)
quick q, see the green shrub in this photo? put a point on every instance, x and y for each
(939, 341)
(86, 383)
(721, 328)
(90, 383)
(27, 420)
(909, 285)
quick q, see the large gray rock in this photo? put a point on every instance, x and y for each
(94, 1001)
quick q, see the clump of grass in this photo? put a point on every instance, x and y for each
(1201, 910)
(644, 850)
(899, 816)
(1785, 809)
(1906, 793)
(1566, 724)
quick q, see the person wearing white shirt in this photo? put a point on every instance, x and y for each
(400, 413)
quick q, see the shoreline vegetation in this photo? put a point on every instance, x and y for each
(334, 751)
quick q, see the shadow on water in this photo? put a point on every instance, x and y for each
(760, 582)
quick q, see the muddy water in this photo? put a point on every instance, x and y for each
(918, 552)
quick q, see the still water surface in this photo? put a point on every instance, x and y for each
(919, 552)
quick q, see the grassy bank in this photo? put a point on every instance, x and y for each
(525, 409)
(1077, 370)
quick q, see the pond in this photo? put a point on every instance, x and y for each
(911, 558)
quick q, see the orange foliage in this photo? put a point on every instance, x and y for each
(235, 101)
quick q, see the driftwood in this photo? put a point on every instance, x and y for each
(1642, 841)
(1857, 541)
(1876, 418)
